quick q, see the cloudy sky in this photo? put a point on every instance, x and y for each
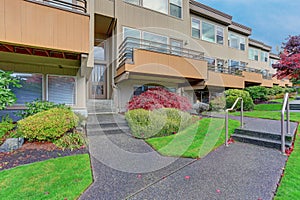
(272, 21)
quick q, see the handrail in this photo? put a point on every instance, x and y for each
(79, 5)
(285, 107)
(128, 45)
(226, 117)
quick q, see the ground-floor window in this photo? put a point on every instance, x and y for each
(61, 89)
(32, 87)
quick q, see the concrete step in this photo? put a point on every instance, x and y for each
(260, 141)
(297, 97)
(105, 118)
(263, 134)
(294, 106)
(101, 106)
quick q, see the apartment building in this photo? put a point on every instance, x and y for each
(71, 51)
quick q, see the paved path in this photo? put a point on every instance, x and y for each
(124, 167)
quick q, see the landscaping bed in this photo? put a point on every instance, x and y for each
(33, 152)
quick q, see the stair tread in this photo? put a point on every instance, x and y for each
(260, 139)
(263, 132)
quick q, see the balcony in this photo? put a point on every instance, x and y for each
(153, 58)
(45, 24)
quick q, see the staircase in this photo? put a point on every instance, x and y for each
(295, 105)
(264, 132)
(103, 118)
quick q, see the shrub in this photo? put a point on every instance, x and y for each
(258, 93)
(6, 125)
(218, 103)
(233, 94)
(48, 125)
(277, 90)
(37, 106)
(7, 97)
(158, 97)
(157, 123)
(70, 141)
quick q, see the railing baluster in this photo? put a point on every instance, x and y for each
(285, 107)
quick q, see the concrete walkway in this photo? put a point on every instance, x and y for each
(127, 168)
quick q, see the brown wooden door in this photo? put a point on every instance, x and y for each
(97, 82)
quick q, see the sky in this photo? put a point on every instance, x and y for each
(272, 21)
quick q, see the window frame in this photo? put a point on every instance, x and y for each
(214, 30)
(264, 56)
(255, 53)
(180, 6)
(47, 87)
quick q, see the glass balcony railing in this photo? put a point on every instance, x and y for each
(74, 5)
(129, 44)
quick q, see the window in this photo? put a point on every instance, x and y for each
(220, 64)
(208, 32)
(176, 8)
(195, 28)
(264, 56)
(157, 5)
(236, 41)
(171, 7)
(155, 42)
(130, 32)
(273, 61)
(210, 61)
(99, 51)
(61, 89)
(136, 2)
(220, 35)
(253, 54)
(32, 88)
(176, 46)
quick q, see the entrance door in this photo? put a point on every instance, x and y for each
(97, 83)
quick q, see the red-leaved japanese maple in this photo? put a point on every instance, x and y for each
(289, 63)
(158, 97)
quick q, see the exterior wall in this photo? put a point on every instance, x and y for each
(104, 7)
(26, 23)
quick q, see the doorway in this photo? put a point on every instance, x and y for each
(97, 82)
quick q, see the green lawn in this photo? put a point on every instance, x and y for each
(61, 178)
(268, 115)
(281, 100)
(268, 107)
(195, 141)
(290, 184)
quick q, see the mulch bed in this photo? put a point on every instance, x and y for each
(33, 152)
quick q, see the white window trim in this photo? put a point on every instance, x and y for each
(254, 50)
(134, 29)
(181, 6)
(47, 87)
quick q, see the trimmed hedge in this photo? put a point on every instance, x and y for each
(258, 93)
(158, 123)
(233, 94)
(48, 125)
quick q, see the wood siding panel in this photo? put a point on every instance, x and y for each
(225, 80)
(32, 24)
(253, 77)
(148, 62)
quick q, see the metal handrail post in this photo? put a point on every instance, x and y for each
(284, 108)
(227, 117)
(288, 127)
(226, 129)
(242, 113)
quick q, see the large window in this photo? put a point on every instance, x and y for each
(61, 89)
(171, 7)
(236, 41)
(220, 35)
(195, 28)
(157, 5)
(208, 32)
(253, 54)
(157, 42)
(176, 8)
(264, 56)
(32, 88)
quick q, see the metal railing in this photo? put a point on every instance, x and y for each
(238, 70)
(129, 44)
(76, 5)
(285, 107)
(227, 117)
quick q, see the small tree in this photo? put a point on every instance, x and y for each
(7, 97)
(289, 64)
